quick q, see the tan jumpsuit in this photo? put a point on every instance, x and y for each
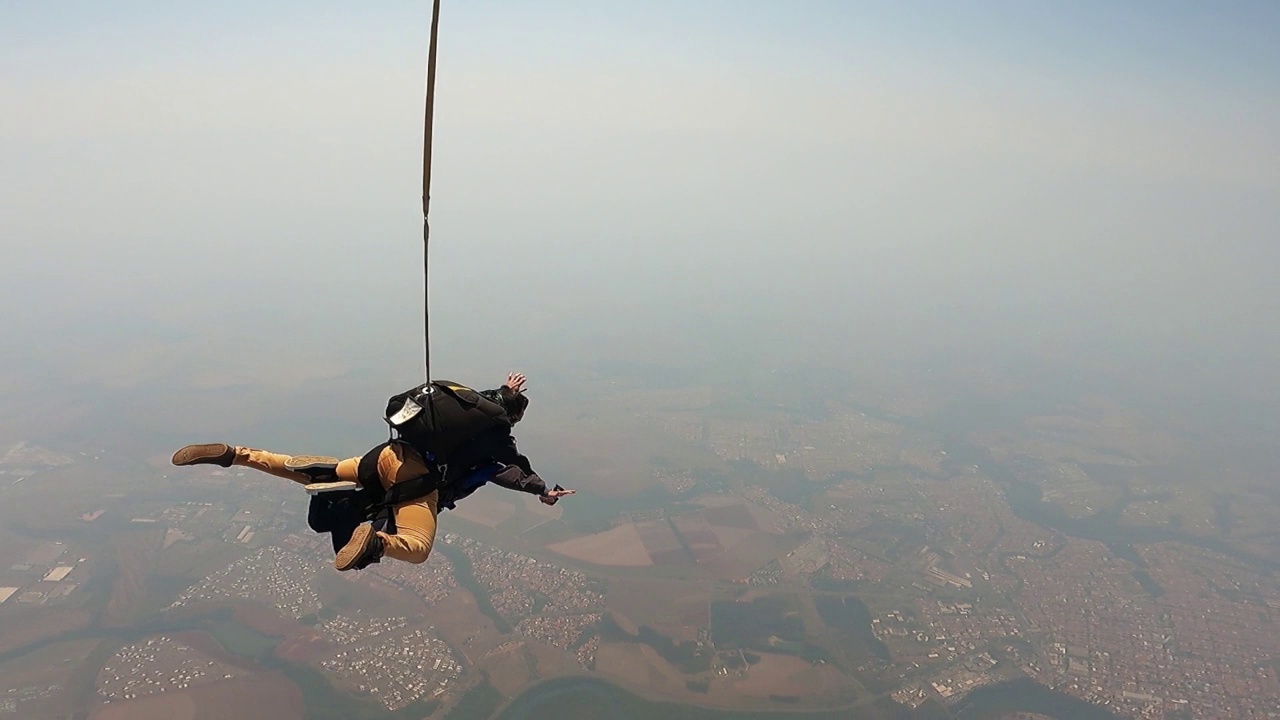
(415, 521)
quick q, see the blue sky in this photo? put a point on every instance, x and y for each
(1109, 163)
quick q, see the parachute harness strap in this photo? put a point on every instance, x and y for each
(426, 188)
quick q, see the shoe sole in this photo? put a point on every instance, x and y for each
(350, 553)
(192, 454)
(324, 487)
(303, 463)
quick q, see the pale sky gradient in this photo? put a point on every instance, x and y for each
(1097, 181)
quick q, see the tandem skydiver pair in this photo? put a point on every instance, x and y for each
(449, 440)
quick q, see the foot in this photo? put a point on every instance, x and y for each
(218, 454)
(324, 487)
(363, 549)
(316, 467)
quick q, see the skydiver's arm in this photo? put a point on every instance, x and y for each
(514, 384)
(519, 474)
(514, 477)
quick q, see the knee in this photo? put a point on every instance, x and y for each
(416, 549)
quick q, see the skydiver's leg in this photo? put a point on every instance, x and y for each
(415, 530)
(271, 463)
(304, 469)
(415, 521)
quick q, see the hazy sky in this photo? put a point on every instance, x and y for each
(1100, 180)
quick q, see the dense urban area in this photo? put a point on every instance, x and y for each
(902, 574)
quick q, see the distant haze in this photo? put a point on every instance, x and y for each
(1091, 186)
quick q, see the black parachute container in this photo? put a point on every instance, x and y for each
(438, 416)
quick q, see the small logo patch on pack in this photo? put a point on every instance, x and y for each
(407, 412)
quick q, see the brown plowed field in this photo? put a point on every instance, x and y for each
(620, 546)
(661, 542)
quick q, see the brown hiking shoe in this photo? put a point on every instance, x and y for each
(363, 549)
(213, 454)
(316, 467)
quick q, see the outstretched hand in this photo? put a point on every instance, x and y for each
(515, 381)
(553, 495)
